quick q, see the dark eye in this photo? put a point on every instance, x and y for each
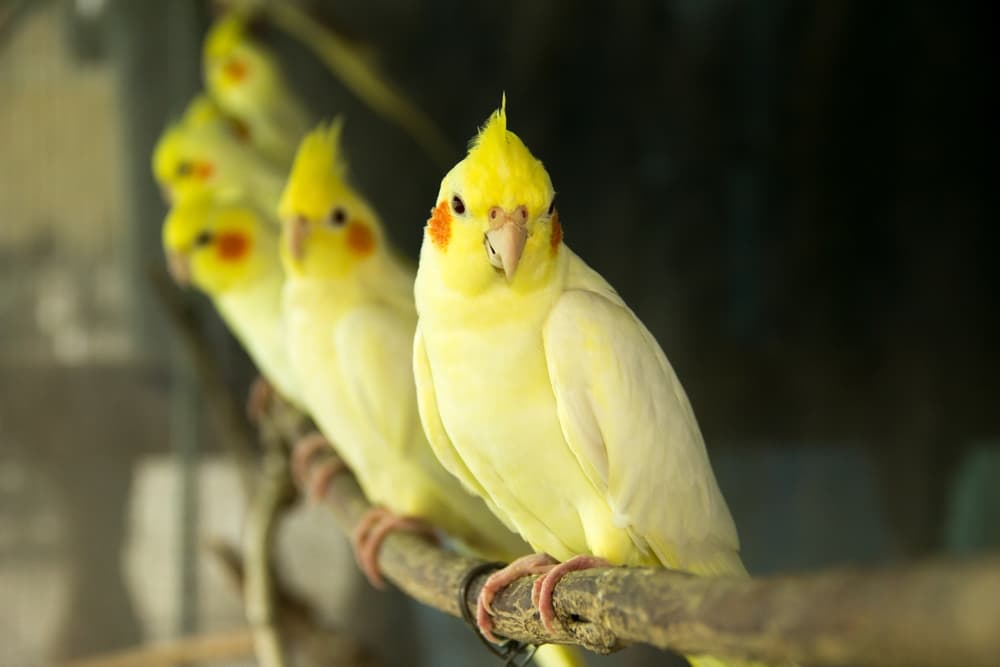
(203, 239)
(184, 168)
(338, 216)
(552, 207)
(457, 205)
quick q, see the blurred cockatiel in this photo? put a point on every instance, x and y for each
(546, 395)
(350, 320)
(203, 155)
(229, 250)
(247, 81)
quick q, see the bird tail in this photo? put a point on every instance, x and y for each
(711, 661)
(558, 655)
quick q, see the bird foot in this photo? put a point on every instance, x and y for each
(259, 400)
(314, 464)
(372, 530)
(532, 564)
(545, 585)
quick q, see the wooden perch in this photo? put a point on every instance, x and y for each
(933, 614)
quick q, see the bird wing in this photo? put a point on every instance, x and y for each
(628, 421)
(373, 343)
(436, 434)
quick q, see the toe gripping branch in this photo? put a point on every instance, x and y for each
(512, 652)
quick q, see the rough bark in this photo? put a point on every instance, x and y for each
(930, 614)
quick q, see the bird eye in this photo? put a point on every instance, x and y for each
(552, 207)
(203, 239)
(338, 217)
(184, 168)
(457, 205)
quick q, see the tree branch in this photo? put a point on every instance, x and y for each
(931, 614)
(231, 645)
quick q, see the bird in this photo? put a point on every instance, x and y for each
(350, 317)
(205, 154)
(546, 395)
(229, 250)
(247, 81)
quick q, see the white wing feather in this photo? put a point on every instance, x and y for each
(629, 423)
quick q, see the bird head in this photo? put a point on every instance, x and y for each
(233, 63)
(495, 219)
(327, 229)
(203, 113)
(182, 165)
(217, 247)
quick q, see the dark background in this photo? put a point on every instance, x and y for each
(797, 198)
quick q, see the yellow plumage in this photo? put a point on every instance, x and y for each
(246, 80)
(201, 156)
(350, 314)
(543, 392)
(230, 252)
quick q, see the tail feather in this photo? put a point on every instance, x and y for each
(711, 661)
(558, 655)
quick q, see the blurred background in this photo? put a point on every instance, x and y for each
(794, 196)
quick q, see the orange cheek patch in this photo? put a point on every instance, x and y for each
(204, 170)
(236, 70)
(439, 226)
(556, 237)
(360, 239)
(231, 246)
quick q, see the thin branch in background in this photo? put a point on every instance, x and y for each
(230, 645)
(275, 493)
(306, 635)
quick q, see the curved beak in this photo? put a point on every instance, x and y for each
(179, 267)
(506, 237)
(298, 233)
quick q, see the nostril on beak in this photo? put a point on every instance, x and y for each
(520, 215)
(496, 213)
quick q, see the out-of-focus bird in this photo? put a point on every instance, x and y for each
(354, 67)
(247, 81)
(544, 393)
(204, 155)
(229, 250)
(350, 322)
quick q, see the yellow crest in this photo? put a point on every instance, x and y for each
(226, 34)
(319, 167)
(500, 170)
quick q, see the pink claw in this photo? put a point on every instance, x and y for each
(372, 530)
(306, 448)
(541, 591)
(259, 400)
(526, 565)
(319, 479)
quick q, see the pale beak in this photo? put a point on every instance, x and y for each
(506, 237)
(297, 235)
(179, 266)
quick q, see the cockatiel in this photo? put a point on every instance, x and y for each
(230, 252)
(247, 81)
(203, 155)
(546, 395)
(350, 319)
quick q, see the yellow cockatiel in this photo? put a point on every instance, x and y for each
(229, 250)
(350, 320)
(246, 80)
(546, 395)
(206, 155)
